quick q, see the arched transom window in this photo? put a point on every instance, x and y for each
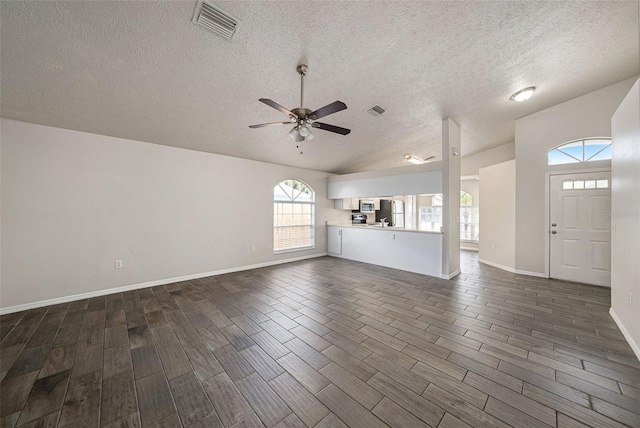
(293, 216)
(587, 150)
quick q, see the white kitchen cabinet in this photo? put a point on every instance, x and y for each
(376, 204)
(347, 204)
(334, 240)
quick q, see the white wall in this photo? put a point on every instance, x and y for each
(470, 165)
(582, 117)
(73, 203)
(625, 209)
(498, 215)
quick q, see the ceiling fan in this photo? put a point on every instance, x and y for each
(302, 118)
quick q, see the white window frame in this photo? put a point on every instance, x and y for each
(293, 199)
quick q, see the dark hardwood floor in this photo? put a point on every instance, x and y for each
(324, 343)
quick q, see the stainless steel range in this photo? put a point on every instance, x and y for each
(358, 218)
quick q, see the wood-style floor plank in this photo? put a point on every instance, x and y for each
(302, 402)
(324, 343)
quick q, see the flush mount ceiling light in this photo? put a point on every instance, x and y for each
(523, 94)
(416, 160)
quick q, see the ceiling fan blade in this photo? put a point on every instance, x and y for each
(299, 138)
(334, 107)
(262, 125)
(429, 158)
(331, 128)
(277, 106)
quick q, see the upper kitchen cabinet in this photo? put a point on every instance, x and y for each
(347, 204)
(406, 180)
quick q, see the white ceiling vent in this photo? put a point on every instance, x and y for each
(215, 20)
(375, 111)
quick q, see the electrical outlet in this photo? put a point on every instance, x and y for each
(630, 300)
(493, 248)
(253, 248)
(118, 264)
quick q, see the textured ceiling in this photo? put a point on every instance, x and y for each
(142, 70)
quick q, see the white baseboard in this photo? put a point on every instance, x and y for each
(497, 265)
(625, 333)
(538, 274)
(512, 270)
(452, 275)
(469, 248)
(104, 292)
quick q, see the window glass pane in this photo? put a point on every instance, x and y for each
(603, 155)
(567, 185)
(578, 184)
(592, 147)
(556, 157)
(573, 149)
(602, 184)
(590, 184)
(465, 198)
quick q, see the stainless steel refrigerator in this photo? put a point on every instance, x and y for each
(393, 211)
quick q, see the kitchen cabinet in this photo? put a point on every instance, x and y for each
(334, 240)
(347, 204)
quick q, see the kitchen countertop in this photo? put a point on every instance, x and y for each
(372, 227)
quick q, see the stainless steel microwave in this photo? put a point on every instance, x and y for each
(367, 207)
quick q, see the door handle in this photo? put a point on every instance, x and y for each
(553, 224)
(553, 232)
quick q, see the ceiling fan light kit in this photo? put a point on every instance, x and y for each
(304, 118)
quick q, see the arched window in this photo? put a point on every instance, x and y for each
(293, 216)
(469, 218)
(587, 150)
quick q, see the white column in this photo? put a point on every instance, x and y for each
(451, 198)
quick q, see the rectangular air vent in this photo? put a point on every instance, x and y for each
(215, 20)
(375, 111)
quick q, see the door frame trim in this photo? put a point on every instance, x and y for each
(547, 208)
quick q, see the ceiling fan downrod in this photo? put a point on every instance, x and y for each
(302, 70)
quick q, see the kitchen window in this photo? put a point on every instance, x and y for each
(293, 216)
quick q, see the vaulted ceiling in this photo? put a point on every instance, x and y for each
(142, 70)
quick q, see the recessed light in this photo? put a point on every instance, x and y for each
(523, 94)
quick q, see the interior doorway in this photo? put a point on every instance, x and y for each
(580, 227)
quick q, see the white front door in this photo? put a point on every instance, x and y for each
(580, 227)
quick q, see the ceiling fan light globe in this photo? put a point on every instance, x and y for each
(309, 137)
(293, 132)
(304, 131)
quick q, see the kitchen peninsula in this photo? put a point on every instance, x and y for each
(409, 249)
